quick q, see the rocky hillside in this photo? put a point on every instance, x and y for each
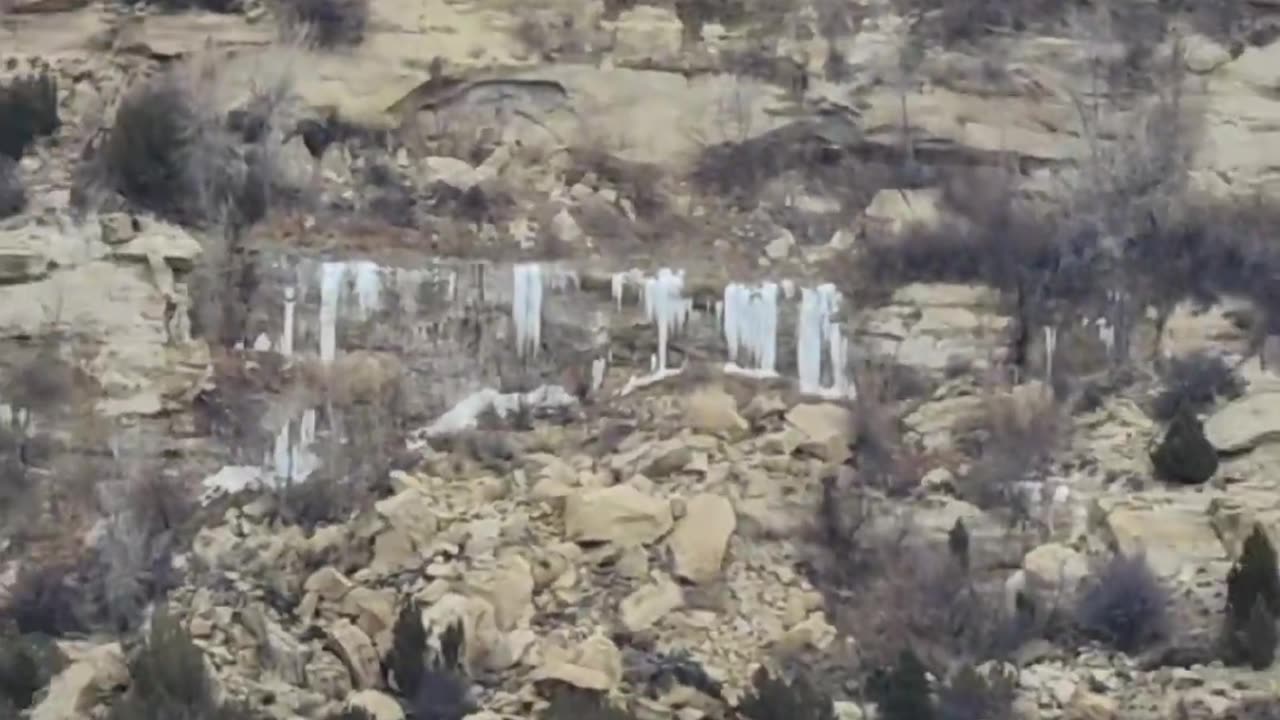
(570, 359)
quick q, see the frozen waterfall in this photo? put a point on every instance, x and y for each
(666, 306)
(818, 326)
(526, 307)
(750, 317)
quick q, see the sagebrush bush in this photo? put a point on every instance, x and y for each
(1253, 591)
(28, 110)
(170, 152)
(150, 144)
(1125, 604)
(326, 23)
(13, 194)
(1195, 382)
(169, 679)
(774, 698)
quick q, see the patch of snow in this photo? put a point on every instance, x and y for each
(598, 367)
(466, 414)
(231, 479)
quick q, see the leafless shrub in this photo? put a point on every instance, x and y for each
(44, 383)
(325, 23)
(884, 462)
(1195, 381)
(132, 567)
(1125, 605)
(921, 597)
(1015, 440)
(170, 149)
(44, 600)
(13, 194)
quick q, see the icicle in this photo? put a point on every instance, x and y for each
(1050, 347)
(818, 327)
(665, 305)
(619, 281)
(598, 367)
(301, 461)
(751, 328)
(788, 289)
(262, 343)
(286, 335)
(368, 280)
(526, 308)
(282, 456)
(331, 275)
(1107, 334)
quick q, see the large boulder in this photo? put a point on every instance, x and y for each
(1245, 423)
(701, 538)
(620, 514)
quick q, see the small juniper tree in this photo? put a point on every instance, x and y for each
(1253, 594)
(902, 692)
(958, 543)
(773, 698)
(1185, 455)
(170, 679)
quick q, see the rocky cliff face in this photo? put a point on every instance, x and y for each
(623, 334)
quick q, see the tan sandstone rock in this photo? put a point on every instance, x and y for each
(701, 538)
(619, 514)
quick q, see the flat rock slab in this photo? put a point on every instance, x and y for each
(1245, 423)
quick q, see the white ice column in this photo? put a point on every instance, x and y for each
(666, 306)
(819, 331)
(368, 285)
(286, 335)
(750, 317)
(331, 277)
(526, 307)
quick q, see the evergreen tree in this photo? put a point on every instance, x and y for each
(903, 692)
(1253, 594)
